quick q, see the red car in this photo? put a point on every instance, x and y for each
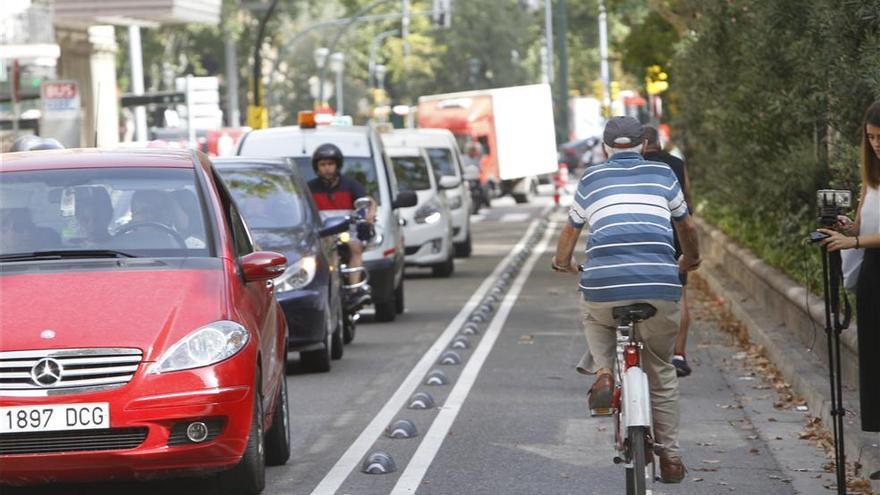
(139, 333)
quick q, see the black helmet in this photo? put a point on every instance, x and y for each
(327, 151)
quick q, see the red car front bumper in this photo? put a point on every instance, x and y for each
(221, 395)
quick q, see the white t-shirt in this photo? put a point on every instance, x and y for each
(870, 223)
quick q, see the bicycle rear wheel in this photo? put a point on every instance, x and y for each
(635, 475)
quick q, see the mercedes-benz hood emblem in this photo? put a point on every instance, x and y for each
(46, 372)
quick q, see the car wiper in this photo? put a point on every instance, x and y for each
(66, 253)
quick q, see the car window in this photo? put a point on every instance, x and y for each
(441, 161)
(360, 169)
(240, 235)
(242, 243)
(150, 212)
(267, 198)
(412, 173)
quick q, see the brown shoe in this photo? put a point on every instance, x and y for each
(672, 470)
(600, 395)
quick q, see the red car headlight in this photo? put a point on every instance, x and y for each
(208, 345)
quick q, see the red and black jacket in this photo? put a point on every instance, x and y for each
(340, 196)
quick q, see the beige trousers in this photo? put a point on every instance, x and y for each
(658, 335)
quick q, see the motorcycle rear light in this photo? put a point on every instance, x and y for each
(630, 356)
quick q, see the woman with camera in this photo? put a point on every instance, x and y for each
(864, 233)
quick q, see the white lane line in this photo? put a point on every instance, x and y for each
(353, 455)
(415, 471)
(514, 217)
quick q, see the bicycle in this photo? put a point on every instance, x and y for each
(631, 399)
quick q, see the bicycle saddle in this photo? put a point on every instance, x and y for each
(633, 313)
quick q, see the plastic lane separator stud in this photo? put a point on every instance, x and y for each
(421, 400)
(450, 358)
(378, 463)
(402, 428)
(437, 377)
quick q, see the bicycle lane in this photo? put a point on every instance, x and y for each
(524, 427)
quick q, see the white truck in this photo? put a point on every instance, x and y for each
(512, 127)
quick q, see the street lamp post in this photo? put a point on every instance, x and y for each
(473, 71)
(337, 66)
(603, 60)
(379, 71)
(374, 48)
(321, 54)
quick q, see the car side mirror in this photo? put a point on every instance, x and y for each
(334, 226)
(449, 182)
(405, 199)
(262, 265)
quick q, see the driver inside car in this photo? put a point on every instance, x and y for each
(152, 222)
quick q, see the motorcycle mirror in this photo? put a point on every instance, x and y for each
(361, 203)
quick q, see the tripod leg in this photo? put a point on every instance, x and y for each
(831, 275)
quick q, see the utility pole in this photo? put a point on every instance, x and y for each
(258, 116)
(603, 56)
(548, 38)
(233, 114)
(561, 31)
(137, 80)
(404, 28)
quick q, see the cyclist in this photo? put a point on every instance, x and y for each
(334, 191)
(627, 204)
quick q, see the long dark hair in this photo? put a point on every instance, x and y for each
(870, 161)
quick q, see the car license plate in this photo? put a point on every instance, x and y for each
(57, 417)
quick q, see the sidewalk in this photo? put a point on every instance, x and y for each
(764, 301)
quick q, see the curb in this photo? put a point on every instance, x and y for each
(806, 371)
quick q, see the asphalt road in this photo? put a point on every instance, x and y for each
(512, 418)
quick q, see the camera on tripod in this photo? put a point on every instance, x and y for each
(831, 203)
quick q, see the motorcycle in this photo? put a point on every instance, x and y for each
(355, 295)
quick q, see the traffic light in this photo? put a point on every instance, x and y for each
(656, 80)
(598, 90)
(615, 90)
(442, 13)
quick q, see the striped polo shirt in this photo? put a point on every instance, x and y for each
(627, 204)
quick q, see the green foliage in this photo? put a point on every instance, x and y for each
(650, 43)
(770, 98)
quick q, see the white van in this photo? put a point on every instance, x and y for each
(367, 163)
(427, 228)
(446, 160)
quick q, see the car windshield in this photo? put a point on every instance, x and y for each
(150, 212)
(441, 161)
(268, 198)
(412, 173)
(360, 169)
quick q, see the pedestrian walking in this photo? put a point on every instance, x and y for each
(864, 233)
(654, 153)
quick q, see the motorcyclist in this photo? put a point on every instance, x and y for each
(334, 191)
